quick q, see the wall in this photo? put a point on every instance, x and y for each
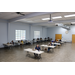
(59, 30)
(3, 32)
(7, 31)
(43, 31)
(17, 26)
(29, 30)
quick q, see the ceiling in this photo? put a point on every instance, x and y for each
(10, 15)
(37, 20)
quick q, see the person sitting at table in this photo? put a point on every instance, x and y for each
(50, 44)
(8, 43)
(60, 40)
(37, 48)
(55, 42)
(12, 42)
(18, 41)
(22, 42)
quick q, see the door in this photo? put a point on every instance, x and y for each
(58, 36)
(73, 38)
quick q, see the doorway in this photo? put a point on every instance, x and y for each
(73, 38)
(58, 36)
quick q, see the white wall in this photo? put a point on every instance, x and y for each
(29, 30)
(43, 31)
(59, 30)
(17, 26)
(3, 33)
(7, 31)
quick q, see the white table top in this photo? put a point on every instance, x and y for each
(34, 51)
(43, 45)
(48, 46)
(56, 43)
(62, 42)
(8, 44)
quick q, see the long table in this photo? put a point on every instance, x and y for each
(33, 51)
(46, 46)
(56, 43)
(8, 45)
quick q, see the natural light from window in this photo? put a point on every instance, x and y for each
(20, 34)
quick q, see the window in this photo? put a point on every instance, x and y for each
(36, 34)
(20, 34)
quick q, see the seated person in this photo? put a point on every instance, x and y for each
(8, 43)
(22, 42)
(55, 42)
(60, 40)
(12, 42)
(50, 44)
(18, 41)
(37, 48)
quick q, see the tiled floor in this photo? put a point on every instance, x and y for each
(64, 53)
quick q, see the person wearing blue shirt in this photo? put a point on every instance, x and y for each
(50, 44)
(55, 42)
(37, 48)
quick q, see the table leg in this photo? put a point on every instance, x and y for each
(39, 57)
(52, 50)
(27, 54)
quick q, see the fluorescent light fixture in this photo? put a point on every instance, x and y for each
(57, 17)
(52, 18)
(69, 15)
(46, 19)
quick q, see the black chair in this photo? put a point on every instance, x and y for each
(37, 40)
(48, 39)
(40, 39)
(33, 41)
(45, 39)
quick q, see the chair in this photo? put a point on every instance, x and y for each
(48, 39)
(33, 41)
(37, 39)
(40, 39)
(45, 39)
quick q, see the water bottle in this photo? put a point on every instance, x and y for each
(34, 49)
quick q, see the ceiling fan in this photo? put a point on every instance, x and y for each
(50, 19)
(20, 13)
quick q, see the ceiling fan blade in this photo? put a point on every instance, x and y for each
(20, 13)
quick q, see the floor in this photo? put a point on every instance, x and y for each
(64, 53)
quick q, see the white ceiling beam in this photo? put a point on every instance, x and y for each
(30, 15)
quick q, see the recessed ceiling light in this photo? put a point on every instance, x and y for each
(69, 15)
(57, 17)
(46, 19)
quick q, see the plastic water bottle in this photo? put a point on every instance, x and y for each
(34, 49)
